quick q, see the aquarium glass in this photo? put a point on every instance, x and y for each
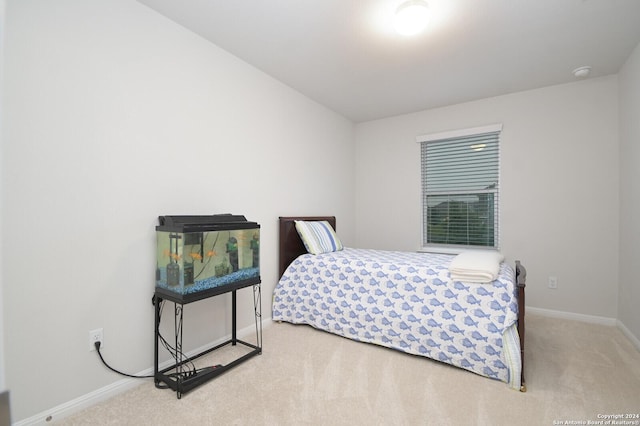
(191, 262)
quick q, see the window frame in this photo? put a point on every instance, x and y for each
(459, 134)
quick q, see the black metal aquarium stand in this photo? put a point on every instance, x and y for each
(182, 379)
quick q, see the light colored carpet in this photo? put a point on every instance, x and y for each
(574, 371)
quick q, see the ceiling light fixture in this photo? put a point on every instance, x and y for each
(582, 72)
(412, 17)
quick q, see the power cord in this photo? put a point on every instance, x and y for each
(186, 374)
(192, 371)
(97, 345)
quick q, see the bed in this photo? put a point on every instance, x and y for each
(405, 301)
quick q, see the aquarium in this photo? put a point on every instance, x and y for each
(200, 256)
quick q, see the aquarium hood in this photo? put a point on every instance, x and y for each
(216, 222)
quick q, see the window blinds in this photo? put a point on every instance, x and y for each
(460, 178)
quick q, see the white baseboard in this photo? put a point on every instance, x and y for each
(629, 335)
(85, 401)
(571, 316)
(586, 318)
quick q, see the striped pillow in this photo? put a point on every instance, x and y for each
(318, 236)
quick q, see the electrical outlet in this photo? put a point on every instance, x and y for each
(553, 282)
(95, 336)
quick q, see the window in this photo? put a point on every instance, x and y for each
(460, 188)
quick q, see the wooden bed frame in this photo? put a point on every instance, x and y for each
(291, 246)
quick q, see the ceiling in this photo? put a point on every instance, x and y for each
(345, 55)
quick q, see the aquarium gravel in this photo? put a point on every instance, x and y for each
(209, 283)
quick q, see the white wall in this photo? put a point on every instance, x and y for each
(559, 177)
(113, 116)
(629, 296)
(2, 32)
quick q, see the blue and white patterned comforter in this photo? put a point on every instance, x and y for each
(406, 301)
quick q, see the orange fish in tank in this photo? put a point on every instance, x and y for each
(211, 253)
(195, 256)
(175, 256)
(166, 253)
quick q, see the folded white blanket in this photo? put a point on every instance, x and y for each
(476, 266)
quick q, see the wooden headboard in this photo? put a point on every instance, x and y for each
(290, 245)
